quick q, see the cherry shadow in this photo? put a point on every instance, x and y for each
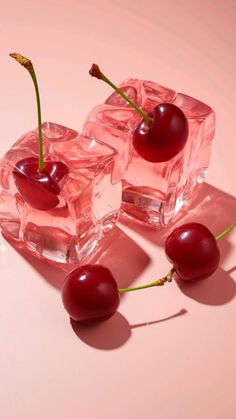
(113, 333)
(107, 335)
(217, 290)
(178, 314)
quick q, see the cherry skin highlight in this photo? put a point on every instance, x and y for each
(39, 189)
(164, 137)
(90, 294)
(193, 251)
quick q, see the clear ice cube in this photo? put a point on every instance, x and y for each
(90, 197)
(154, 193)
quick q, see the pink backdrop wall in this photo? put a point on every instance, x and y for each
(183, 364)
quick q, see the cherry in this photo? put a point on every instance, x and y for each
(39, 189)
(90, 294)
(193, 251)
(165, 137)
(36, 180)
(160, 137)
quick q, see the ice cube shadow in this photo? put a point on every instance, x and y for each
(123, 256)
(117, 251)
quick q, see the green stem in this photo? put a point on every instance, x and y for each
(142, 113)
(157, 283)
(96, 72)
(40, 136)
(141, 287)
(25, 62)
(226, 231)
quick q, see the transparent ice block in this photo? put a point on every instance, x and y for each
(154, 193)
(90, 198)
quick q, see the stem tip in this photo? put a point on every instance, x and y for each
(95, 71)
(22, 60)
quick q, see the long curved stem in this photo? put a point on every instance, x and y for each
(96, 72)
(40, 136)
(25, 62)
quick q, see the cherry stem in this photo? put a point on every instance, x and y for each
(25, 62)
(159, 282)
(226, 231)
(96, 72)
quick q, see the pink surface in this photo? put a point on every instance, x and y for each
(182, 365)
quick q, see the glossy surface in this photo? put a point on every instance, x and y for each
(154, 193)
(90, 294)
(39, 189)
(62, 214)
(165, 137)
(193, 251)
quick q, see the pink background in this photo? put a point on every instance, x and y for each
(181, 365)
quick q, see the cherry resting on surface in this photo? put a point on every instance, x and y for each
(193, 250)
(158, 138)
(36, 180)
(90, 293)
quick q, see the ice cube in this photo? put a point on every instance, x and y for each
(154, 193)
(90, 198)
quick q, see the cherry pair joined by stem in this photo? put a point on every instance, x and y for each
(160, 137)
(36, 180)
(90, 293)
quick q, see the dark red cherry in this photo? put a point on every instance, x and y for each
(164, 137)
(90, 294)
(159, 137)
(193, 251)
(39, 189)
